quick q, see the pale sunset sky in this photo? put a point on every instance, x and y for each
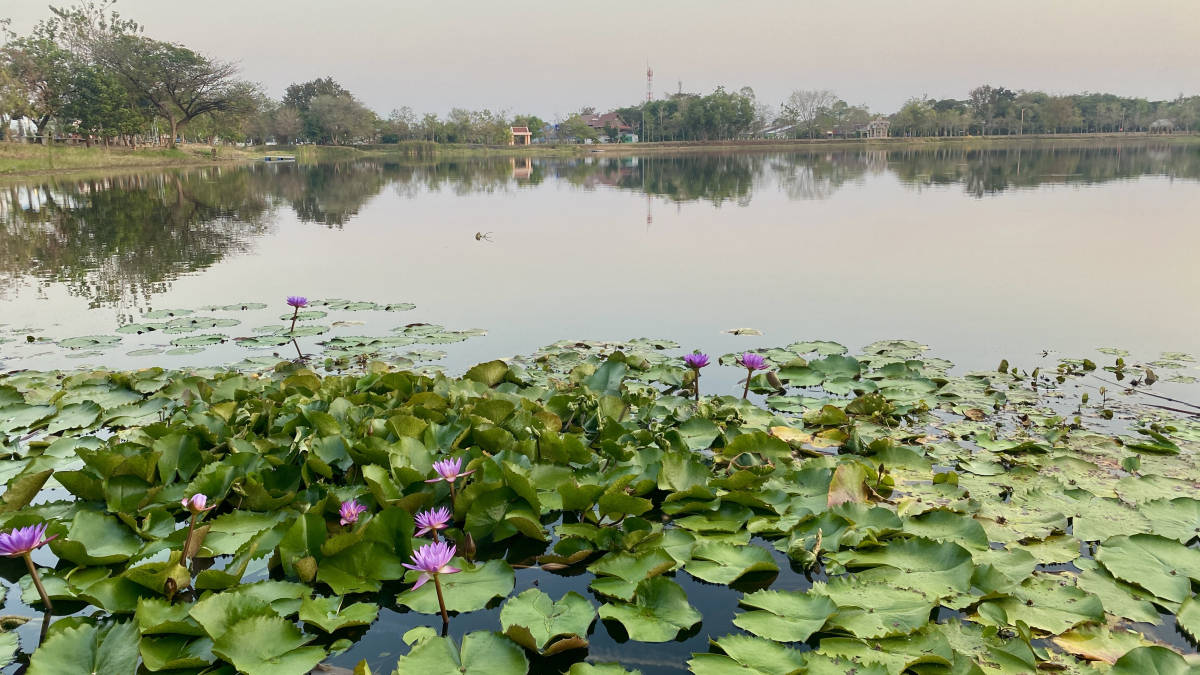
(551, 58)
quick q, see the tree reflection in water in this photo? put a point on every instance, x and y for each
(119, 240)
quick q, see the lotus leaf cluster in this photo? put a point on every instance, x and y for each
(865, 513)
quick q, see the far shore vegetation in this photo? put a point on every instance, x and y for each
(86, 76)
(23, 160)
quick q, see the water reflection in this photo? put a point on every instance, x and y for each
(117, 241)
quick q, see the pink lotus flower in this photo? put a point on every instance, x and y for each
(350, 511)
(23, 540)
(432, 560)
(197, 504)
(433, 520)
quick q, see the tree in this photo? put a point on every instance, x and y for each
(575, 127)
(286, 124)
(96, 104)
(176, 81)
(804, 106)
(341, 118)
(39, 71)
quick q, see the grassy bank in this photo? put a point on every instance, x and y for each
(23, 159)
(890, 144)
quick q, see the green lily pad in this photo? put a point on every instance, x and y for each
(784, 616)
(1162, 566)
(747, 655)
(658, 613)
(87, 649)
(200, 340)
(465, 591)
(535, 621)
(721, 563)
(90, 342)
(482, 653)
(328, 614)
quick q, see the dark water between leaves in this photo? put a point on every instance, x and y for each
(983, 255)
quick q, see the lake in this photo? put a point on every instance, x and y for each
(1021, 254)
(982, 255)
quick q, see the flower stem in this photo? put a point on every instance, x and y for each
(37, 581)
(452, 491)
(435, 535)
(295, 315)
(437, 584)
(187, 541)
(299, 354)
(749, 374)
(696, 384)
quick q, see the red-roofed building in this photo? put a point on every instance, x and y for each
(520, 136)
(607, 121)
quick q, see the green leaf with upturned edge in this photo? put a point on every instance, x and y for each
(722, 563)
(784, 616)
(465, 591)
(658, 613)
(533, 619)
(327, 613)
(267, 645)
(745, 655)
(482, 653)
(88, 649)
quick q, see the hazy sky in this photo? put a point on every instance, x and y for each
(551, 58)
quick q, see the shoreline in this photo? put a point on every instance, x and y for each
(19, 161)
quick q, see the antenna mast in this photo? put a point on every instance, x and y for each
(649, 83)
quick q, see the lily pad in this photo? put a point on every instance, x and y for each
(659, 611)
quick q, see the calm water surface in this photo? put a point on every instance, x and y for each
(982, 255)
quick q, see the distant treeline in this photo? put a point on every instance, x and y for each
(90, 75)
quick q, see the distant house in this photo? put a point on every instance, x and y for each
(520, 136)
(877, 128)
(602, 123)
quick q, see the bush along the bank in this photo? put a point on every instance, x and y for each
(216, 521)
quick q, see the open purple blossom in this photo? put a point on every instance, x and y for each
(197, 504)
(432, 561)
(23, 540)
(751, 362)
(296, 301)
(350, 511)
(449, 470)
(433, 520)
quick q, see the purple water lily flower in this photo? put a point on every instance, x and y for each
(350, 511)
(434, 520)
(23, 540)
(197, 504)
(297, 301)
(432, 561)
(751, 362)
(449, 470)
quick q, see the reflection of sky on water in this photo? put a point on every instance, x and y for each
(731, 242)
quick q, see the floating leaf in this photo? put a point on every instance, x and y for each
(658, 613)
